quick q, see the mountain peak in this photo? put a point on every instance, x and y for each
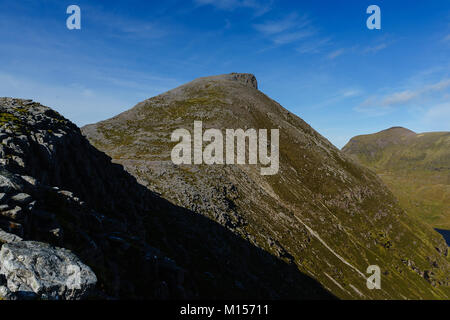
(399, 129)
(248, 79)
(379, 140)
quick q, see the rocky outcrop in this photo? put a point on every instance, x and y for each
(6, 237)
(246, 79)
(42, 157)
(39, 270)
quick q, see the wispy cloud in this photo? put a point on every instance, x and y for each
(121, 26)
(378, 44)
(285, 38)
(399, 97)
(291, 21)
(339, 96)
(313, 46)
(376, 48)
(259, 7)
(351, 93)
(336, 53)
(383, 104)
(408, 95)
(357, 49)
(288, 29)
(439, 114)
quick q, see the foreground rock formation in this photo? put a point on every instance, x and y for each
(38, 270)
(323, 214)
(59, 193)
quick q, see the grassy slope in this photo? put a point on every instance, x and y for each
(416, 167)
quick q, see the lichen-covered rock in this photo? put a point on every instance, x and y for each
(49, 272)
(6, 237)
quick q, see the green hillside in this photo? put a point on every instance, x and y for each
(416, 167)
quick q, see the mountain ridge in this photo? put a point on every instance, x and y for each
(323, 212)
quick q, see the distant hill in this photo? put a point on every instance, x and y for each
(324, 214)
(416, 167)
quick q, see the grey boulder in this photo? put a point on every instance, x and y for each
(6, 237)
(48, 272)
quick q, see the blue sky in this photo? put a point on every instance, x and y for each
(317, 58)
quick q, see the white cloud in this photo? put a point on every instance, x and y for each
(408, 95)
(438, 116)
(276, 26)
(439, 112)
(399, 97)
(291, 37)
(376, 48)
(438, 86)
(357, 49)
(314, 46)
(334, 54)
(289, 29)
(351, 93)
(341, 95)
(420, 96)
(119, 26)
(260, 7)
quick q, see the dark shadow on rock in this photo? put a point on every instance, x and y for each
(223, 265)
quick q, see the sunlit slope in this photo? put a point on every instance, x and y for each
(416, 167)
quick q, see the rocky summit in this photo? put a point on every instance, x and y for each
(74, 225)
(323, 215)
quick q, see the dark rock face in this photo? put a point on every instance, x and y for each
(56, 188)
(48, 272)
(246, 78)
